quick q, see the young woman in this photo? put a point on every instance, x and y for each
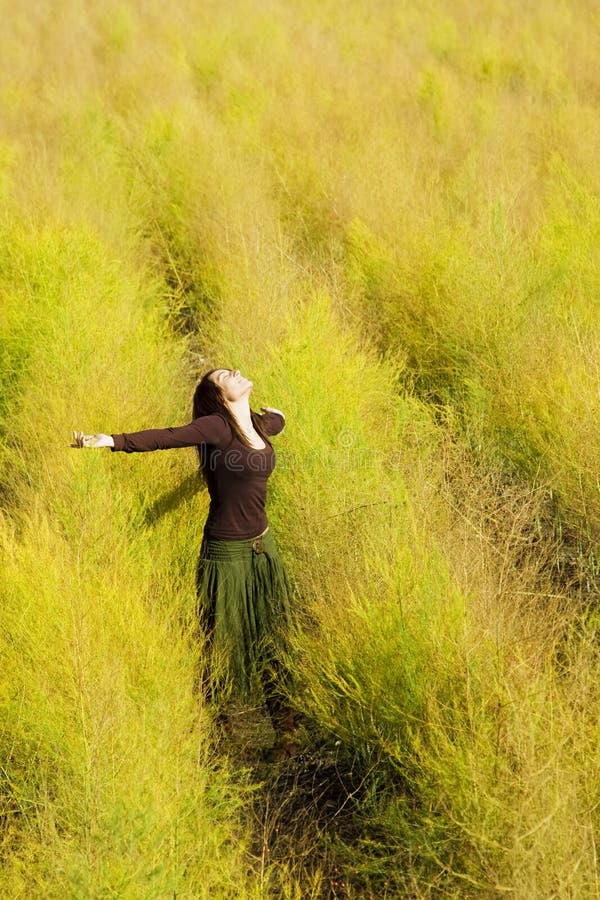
(243, 589)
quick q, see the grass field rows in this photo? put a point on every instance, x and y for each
(388, 217)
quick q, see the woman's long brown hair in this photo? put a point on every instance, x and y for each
(208, 401)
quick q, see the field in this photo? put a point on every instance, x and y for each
(388, 216)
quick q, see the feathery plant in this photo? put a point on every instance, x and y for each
(389, 220)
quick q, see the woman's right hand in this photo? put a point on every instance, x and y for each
(92, 440)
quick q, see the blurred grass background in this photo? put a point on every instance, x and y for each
(388, 216)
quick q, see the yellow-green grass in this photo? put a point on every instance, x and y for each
(427, 653)
(109, 783)
(324, 197)
(437, 166)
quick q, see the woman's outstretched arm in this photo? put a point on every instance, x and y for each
(207, 429)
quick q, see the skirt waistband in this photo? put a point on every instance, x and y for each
(214, 548)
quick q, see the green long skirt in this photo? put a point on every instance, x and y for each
(244, 596)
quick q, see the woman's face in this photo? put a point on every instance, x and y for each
(233, 385)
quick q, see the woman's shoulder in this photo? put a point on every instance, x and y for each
(216, 428)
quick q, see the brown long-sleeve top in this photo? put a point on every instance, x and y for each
(236, 475)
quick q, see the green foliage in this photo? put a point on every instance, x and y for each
(389, 218)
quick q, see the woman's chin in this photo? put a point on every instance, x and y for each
(245, 391)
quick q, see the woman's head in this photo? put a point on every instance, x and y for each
(215, 391)
(232, 383)
(217, 388)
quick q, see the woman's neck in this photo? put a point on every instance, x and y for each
(241, 410)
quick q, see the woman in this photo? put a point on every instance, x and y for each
(243, 588)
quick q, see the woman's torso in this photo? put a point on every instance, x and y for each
(237, 479)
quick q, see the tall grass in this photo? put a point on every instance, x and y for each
(445, 671)
(387, 217)
(109, 783)
(437, 166)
